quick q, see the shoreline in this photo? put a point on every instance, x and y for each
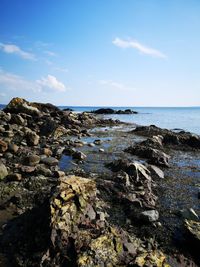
(41, 158)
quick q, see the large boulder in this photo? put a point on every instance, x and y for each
(153, 155)
(20, 105)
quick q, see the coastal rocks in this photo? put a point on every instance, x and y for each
(112, 111)
(20, 105)
(3, 171)
(153, 155)
(182, 140)
(48, 127)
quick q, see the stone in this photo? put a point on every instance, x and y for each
(91, 144)
(3, 146)
(16, 118)
(50, 161)
(27, 169)
(79, 155)
(153, 155)
(189, 214)
(14, 177)
(13, 147)
(150, 215)
(32, 138)
(101, 150)
(156, 172)
(193, 228)
(97, 142)
(3, 171)
(43, 170)
(32, 160)
(47, 151)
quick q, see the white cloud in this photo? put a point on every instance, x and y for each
(116, 85)
(13, 82)
(140, 47)
(52, 83)
(10, 81)
(14, 49)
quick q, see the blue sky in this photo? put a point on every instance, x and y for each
(100, 52)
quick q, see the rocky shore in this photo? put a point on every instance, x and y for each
(82, 190)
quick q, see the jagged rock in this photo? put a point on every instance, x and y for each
(3, 171)
(155, 171)
(3, 146)
(189, 214)
(48, 127)
(20, 105)
(153, 155)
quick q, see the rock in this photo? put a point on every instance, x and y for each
(91, 144)
(75, 223)
(20, 105)
(13, 147)
(193, 228)
(150, 215)
(16, 118)
(3, 146)
(189, 214)
(79, 155)
(32, 160)
(59, 174)
(156, 172)
(97, 142)
(112, 111)
(153, 155)
(32, 138)
(50, 161)
(3, 171)
(27, 169)
(101, 150)
(43, 170)
(47, 151)
(14, 177)
(48, 127)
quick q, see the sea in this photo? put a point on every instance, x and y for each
(184, 118)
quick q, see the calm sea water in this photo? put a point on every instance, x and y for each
(187, 118)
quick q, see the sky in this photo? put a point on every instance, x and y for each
(101, 52)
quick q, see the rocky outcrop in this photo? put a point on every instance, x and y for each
(182, 139)
(20, 105)
(82, 236)
(113, 111)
